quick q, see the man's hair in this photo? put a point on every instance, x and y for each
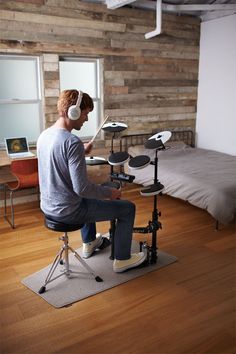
(69, 98)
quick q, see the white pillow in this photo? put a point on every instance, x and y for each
(141, 150)
(176, 145)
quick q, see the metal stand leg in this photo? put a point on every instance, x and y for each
(12, 210)
(5, 201)
(11, 223)
(112, 234)
(67, 271)
(153, 226)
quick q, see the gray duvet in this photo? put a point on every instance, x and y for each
(204, 178)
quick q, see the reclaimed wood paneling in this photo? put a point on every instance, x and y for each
(149, 84)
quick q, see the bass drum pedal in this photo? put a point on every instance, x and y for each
(151, 254)
(105, 243)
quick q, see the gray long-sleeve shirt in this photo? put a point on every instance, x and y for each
(62, 173)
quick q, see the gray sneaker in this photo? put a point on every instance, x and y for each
(135, 260)
(90, 247)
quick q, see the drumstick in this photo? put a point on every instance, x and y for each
(100, 127)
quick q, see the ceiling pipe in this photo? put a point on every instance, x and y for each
(198, 7)
(157, 30)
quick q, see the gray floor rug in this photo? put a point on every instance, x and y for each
(65, 291)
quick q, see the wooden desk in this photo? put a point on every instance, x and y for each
(5, 172)
(6, 161)
(6, 175)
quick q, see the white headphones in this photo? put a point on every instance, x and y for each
(74, 111)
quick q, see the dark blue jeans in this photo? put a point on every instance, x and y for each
(92, 210)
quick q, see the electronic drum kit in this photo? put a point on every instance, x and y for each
(155, 142)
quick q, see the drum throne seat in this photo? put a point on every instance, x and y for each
(62, 257)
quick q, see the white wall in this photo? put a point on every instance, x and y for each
(216, 110)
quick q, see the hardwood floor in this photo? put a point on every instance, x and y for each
(187, 307)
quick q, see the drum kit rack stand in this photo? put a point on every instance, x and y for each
(153, 225)
(156, 142)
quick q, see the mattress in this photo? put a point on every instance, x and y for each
(204, 178)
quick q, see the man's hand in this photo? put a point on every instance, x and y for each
(115, 194)
(88, 147)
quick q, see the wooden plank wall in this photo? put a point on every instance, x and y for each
(148, 84)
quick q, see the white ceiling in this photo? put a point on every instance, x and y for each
(206, 10)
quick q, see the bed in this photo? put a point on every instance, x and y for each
(204, 178)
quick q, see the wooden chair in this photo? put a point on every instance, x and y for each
(26, 173)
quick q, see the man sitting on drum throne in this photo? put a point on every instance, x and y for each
(66, 193)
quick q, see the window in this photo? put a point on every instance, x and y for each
(20, 98)
(83, 74)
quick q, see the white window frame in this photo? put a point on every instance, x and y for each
(98, 84)
(18, 101)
